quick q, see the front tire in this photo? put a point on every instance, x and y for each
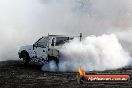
(25, 61)
(25, 57)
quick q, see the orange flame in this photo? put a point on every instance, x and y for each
(81, 71)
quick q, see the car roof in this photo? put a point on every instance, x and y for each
(59, 36)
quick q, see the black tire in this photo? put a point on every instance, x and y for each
(55, 59)
(57, 63)
(26, 58)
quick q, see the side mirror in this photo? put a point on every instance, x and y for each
(33, 46)
(53, 41)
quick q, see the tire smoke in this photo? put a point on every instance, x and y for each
(94, 53)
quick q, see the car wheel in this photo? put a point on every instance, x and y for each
(55, 59)
(26, 59)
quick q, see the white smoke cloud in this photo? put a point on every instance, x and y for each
(94, 53)
(22, 22)
(125, 39)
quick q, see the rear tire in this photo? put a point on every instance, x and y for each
(55, 59)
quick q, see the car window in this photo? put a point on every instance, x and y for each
(42, 42)
(62, 40)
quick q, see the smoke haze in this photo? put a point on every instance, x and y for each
(22, 22)
(94, 53)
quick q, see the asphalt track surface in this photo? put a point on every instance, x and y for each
(13, 74)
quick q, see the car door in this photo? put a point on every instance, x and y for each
(41, 50)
